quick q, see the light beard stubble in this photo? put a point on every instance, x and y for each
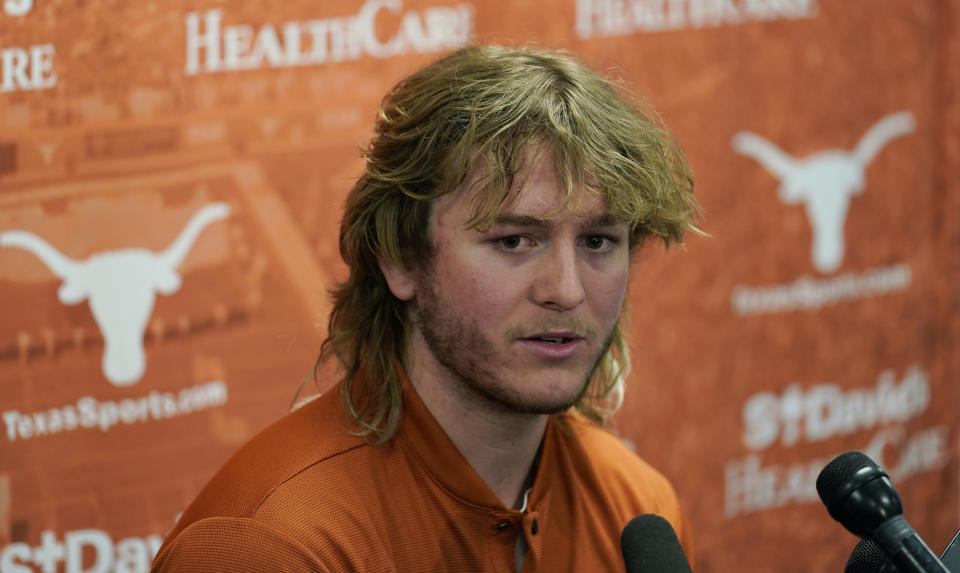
(462, 350)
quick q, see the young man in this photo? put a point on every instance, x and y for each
(489, 245)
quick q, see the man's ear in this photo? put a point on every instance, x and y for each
(400, 280)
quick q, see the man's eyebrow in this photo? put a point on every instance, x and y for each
(517, 220)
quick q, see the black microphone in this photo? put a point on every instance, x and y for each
(650, 545)
(867, 557)
(859, 494)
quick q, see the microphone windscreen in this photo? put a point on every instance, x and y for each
(838, 473)
(650, 545)
(858, 493)
(867, 557)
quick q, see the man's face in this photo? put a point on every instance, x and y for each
(517, 316)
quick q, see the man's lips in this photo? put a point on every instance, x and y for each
(553, 336)
(553, 345)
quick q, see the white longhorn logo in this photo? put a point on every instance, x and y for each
(824, 181)
(121, 286)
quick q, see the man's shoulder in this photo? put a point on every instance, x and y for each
(316, 432)
(291, 485)
(607, 457)
(600, 441)
(228, 544)
(614, 477)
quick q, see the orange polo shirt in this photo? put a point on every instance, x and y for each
(306, 495)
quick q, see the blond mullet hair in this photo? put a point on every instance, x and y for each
(485, 106)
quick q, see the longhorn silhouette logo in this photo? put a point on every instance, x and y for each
(824, 181)
(121, 286)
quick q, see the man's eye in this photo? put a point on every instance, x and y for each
(596, 242)
(510, 242)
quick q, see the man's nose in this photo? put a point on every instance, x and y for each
(559, 285)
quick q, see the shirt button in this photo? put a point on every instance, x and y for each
(534, 528)
(503, 525)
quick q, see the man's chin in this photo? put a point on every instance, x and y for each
(532, 403)
(545, 409)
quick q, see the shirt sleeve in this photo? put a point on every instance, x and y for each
(222, 544)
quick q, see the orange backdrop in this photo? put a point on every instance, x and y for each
(171, 183)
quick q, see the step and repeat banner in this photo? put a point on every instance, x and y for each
(171, 182)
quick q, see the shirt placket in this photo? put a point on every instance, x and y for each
(504, 528)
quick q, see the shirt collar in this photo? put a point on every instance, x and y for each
(430, 444)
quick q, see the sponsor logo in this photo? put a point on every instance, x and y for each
(602, 18)
(121, 287)
(825, 181)
(25, 68)
(90, 413)
(824, 184)
(213, 47)
(29, 68)
(751, 486)
(809, 293)
(826, 411)
(81, 551)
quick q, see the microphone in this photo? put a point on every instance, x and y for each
(867, 557)
(859, 494)
(650, 545)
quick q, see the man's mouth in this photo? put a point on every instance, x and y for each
(554, 337)
(556, 345)
(551, 339)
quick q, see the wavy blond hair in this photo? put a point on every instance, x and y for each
(485, 105)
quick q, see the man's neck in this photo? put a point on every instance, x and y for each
(499, 445)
